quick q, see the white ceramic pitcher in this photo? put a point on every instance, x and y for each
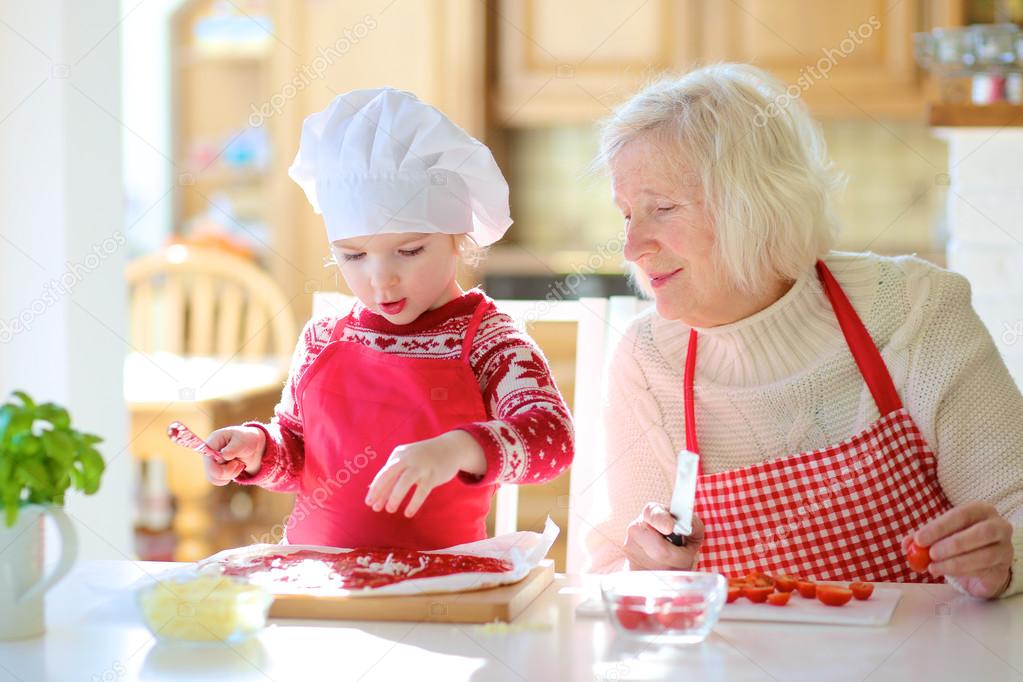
(22, 583)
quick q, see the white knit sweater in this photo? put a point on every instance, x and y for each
(783, 381)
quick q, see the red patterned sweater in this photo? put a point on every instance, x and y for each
(528, 436)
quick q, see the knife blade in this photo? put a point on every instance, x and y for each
(683, 497)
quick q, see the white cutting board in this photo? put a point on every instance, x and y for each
(877, 610)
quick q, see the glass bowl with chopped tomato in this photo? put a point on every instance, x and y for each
(664, 606)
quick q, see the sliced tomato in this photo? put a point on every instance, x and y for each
(631, 613)
(682, 612)
(779, 598)
(637, 620)
(832, 595)
(807, 588)
(674, 620)
(918, 558)
(733, 594)
(784, 583)
(759, 579)
(862, 591)
(756, 593)
(688, 600)
(630, 619)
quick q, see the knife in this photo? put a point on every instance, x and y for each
(683, 497)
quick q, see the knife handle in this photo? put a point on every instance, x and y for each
(675, 539)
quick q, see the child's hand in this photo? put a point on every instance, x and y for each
(425, 465)
(241, 446)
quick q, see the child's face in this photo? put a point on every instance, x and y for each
(400, 276)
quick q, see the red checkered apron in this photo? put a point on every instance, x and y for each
(838, 513)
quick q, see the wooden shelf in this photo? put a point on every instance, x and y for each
(971, 116)
(241, 55)
(230, 177)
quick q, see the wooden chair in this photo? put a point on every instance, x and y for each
(211, 335)
(577, 337)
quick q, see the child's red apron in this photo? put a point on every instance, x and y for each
(838, 513)
(357, 405)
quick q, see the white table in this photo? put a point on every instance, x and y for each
(94, 633)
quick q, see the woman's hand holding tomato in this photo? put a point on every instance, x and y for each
(971, 543)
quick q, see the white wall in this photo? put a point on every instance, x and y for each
(985, 203)
(61, 219)
(146, 108)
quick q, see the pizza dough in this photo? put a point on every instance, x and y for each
(358, 569)
(327, 571)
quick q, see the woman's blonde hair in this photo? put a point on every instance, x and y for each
(759, 157)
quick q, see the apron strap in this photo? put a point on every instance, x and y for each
(470, 332)
(339, 328)
(864, 350)
(691, 444)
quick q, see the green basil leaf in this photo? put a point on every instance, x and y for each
(26, 444)
(92, 461)
(25, 400)
(20, 422)
(55, 414)
(92, 470)
(35, 474)
(59, 446)
(88, 438)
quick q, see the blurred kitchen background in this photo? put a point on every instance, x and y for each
(173, 124)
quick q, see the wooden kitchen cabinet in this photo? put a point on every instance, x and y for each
(571, 61)
(845, 59)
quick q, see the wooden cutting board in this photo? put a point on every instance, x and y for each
(502, 603)
(874, 611)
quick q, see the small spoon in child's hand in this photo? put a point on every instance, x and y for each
(183, 436)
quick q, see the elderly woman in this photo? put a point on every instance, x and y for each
(842, 405)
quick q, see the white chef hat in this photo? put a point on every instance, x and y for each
(381, 161)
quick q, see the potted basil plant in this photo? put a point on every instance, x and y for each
(41, 456)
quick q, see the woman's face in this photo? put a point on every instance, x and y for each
(400, 276)
(669, 234)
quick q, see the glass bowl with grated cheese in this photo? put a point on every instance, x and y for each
(210, 608)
